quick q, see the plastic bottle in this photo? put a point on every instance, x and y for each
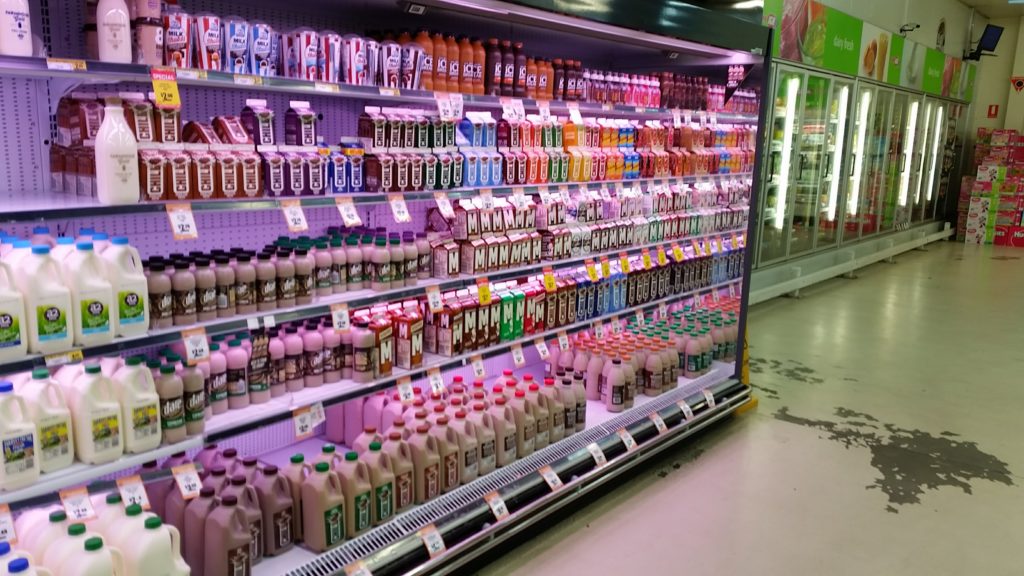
(156, 549)
(296, 472)
(193, 534)
(248, 502)
(60, 549)
(382, 269)
(427, 69)
(356, 268)
(323, 264)
(20, 465)
(123, 269)
(52, 417)
(358, 489)
(615, 385)
(206, 290)
(556, 409)
(286, 282)
(13, 333)
(15, 28)
(426, 460)
(466, 67)
(172, 405)
(217, 391)
(96, 559)
(114, 31)
(440, 64)
(382, 483)
(36, 539)
(493, 68)
(313, 354)
(409, 259)
(266, 283)
(542, 417)
(363, 345)
(519, 70)
(531, 78)
(594, 369)
(454, 62)
(277, 508)
(526, 424)
(508, 68)
(194, 397)
(323, 509)
(117, 166)
(91, 296)
(161, 296)
(399, 453)
(183, 294)
(64, 246)
(293, 359)
(245, 285)
(47, 302)
(96, 415)
(237, 380)
(228, 540)
(468, 445)
(694, 356)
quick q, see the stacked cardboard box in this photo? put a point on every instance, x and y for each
(993, 211)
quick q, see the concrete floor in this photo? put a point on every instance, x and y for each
(887, 441)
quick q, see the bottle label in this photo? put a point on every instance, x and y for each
(355, 272)
(403, 491)
(172, 413)
(453, 70)
(278, 372)
(106, 431)
(383, 497)
(334, 525)
(131, 307)
(256, 543)
(314, 365)
(286, 288)
(432, 481)
(239, 561)
(293, 364)
(218, 387)
(236, 383)
(184, 303)
(19, 455)
(507, 76)
(581, 413)
(52, 322)
(410, 268)
(423, 265)
(303, 285)
(325, 276)
(382, 272)
(207, 299)
(266, 290)
(10, 330)
(53, 438)
(225, 296)
(363, 513)
(145, 421)
(245, 293)
(470, 462)
(283, 527)
(468, 70)
(362, 358)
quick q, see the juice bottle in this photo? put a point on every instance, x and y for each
(440, 64)
(47, 302)
(593, 375)
(355, 483)
(228, 540)
(329, 454)
(367, 437)
(567, 394)
(519, 70)
(479, 60)
(49, 411)
(400, 455)
(493, 68)
(323, 509)
(469, 447)
(427, 67)
(96, 415)
(466, 61)
(508, 72)
(296, 473)
(217, 479)
(452, 49)
(629, 372)
(382, 482)
(531, 78)
(19, 438)
(426, 462)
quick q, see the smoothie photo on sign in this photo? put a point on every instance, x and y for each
(802, 34)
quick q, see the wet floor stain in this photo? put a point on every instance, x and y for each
(910, 461)
(792, 370)
(765, 391)
(1005, 257)
(685, 458)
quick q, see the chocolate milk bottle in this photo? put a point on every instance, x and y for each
(448, 451)
(568, 397)
(505, 432)
(206, 291)
(556, 409)
(526, 424)
(183, 294)
(217, 479)
(194, 398)
(323, 509)
(485, 437)
(355, 483)
(313, 356)
(275, 496)
(245, 284)
(248, 467)
(426, 464)
(382, 481)
(266, 283)
(228, 541)
(400, 454)
(172, 407)
(328, 454)
(193, 541)
(296, 473)
(541, 414)
(469, 447)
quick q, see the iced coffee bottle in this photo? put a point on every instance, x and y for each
(355, 483)
(323, 509)
(400, 454)
(278, 509)
(426, 464)
(382, 481)
(296, 473)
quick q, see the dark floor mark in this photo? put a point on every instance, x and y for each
(948, 433)
(849, 379)
(1005, 257)
(891, 510)
(768, 392)
(910, 461)
(790, 369)
(685, 458)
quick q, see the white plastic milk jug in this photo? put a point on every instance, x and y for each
(47, 302)
(96, 414)
(91, 296)
(20, 464)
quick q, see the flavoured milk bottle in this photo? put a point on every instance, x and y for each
(228, 541)
(362, 442)
(556, 409)
(47, 302)
(355, 483)
(140, 406)
(49, 410)
(426, 464)
(538, 407)
(95, 559)
(130, 289)
(469, 447)
(448, 452)
(278, 510)
(382, 480)
(13, 334)
(400, 454)
(249, 503)
(155, 550)
(485, 438)
(194, 532)
(20, 465)
(91, 296)
(96, 414)
(526, 425)
(506, 432)
(296, 472)
(323, 509)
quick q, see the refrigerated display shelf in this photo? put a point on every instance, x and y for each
(463, 517)
(106, 72)
(47, 206)
(322, 306)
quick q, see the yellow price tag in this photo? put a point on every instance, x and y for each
(662, 259)
(718, 244)
(735, 242)
(606, 268)
(592, 271)
(678, 253)
(550, 285)
(696, 247)
(647, 259)
(165, 88)
(483, 289)
(624, 262)
(707, 248)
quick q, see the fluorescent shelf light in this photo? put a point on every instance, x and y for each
(935, 150)
(837, 154)
(924, 148)
(908, 153)
(858, 154)
(792, 95)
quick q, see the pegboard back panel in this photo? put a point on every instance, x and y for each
(24, 157)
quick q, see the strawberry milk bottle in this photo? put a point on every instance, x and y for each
(355, 483)
(228, 540)
(323, 509)
(369, 435)
(193, 533)
(506, 433)
(278, 510)
(382, 480)
(328, 454)
(373, 408)
(296, 473)
(400, 454)
(426, 464)
(448, 451)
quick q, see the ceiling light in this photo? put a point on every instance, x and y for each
(751, 4)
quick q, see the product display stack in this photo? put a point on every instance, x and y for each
(992, 203)
(354, 299)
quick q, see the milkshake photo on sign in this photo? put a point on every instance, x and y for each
(874, 52)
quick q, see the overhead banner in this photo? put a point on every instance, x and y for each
(816, 35)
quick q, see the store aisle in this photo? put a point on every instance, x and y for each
(887, 441)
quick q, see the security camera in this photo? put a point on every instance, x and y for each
(909, 27)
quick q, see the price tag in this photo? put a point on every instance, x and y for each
(478, 366)
(707, 248)
(550, 284)
(165, 88)
(252, 323)
(319, 417)
(563, 191)
(518, 109)
(614, 323)
(497, 504)
(735, 242)
(714, 295)
(483, 290)
(436, 382)
(457, 104)
(624, 262)
(647, 259)
(357, 568)
(702, 117)
(302, 418)
(599, 330)
(444, 105)
(544, 109)
(732, 290)
(662, 259)
(574, 112)
(518, 198)
(641, 321)
(62, 358)
(551, 477)
(247, 80)
(269, 321)
(597, 453)
(698, 301)
(393, 92)
(294, 217)
(592, 271)
(507, 110)
(713, 118)
(398, 208)
(444, 205)
(518, 358)
(708, 397)
(563, 341)
(405, 392)
(627, 439)
(191, 74)
(326, 87)
(677, 120)
(677, 253)
(432, 540)
(696, 247)
(183, 223)
(339, 316)
(434, 299)
(659, 423)
(687, 411)
(197, 348)
(349, 214)
(542, 348)
(7, 532)
(65, 64)
(687, 117)
(77, 504)
(486, 199)
(606, 267)
(133, 491)
(187, 479)
(662, 311)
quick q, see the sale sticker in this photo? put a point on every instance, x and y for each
(624, 262)
(709, 398)
(550, 284)
(627, 439)
(563, 341)
(687, 411)
(165, 88)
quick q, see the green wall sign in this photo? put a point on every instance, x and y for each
(934, 62)
(842, 41)
(895, 60)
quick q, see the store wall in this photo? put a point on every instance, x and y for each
(993, 85)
